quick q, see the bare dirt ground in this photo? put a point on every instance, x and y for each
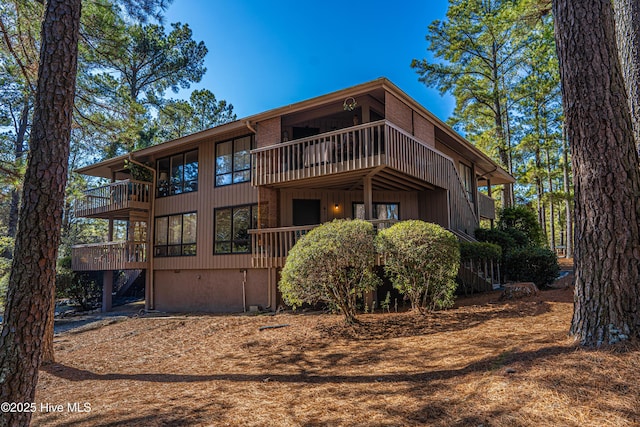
(484, 362)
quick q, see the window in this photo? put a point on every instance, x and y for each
(380, 211)
(232, 229)
(233, 161)
(466, 175)
(177, 174)
(175, 235)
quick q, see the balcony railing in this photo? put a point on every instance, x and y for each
(270, 246)
(486, 206)
(109, 256)
(117, 196)
(364, 147)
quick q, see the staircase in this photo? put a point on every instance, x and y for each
(125, 280)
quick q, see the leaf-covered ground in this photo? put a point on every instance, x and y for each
(484, 362)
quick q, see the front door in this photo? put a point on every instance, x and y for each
(306, 212)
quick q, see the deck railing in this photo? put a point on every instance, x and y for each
(366, 146)
(270, 246)
(357, 147)
(113, 197)
(109, 256)
(486, 206)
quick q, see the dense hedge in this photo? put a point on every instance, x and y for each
(472, 251)
(532, 264)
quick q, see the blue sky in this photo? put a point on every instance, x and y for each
(267, 54)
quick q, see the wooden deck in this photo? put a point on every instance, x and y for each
(109, 256)
(394, 158)
(114, 200)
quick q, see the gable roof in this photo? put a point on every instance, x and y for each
(487, 168)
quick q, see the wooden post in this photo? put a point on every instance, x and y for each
(107, 289)
(368, 203)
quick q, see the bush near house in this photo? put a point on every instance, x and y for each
(524, 258)
(522, 219)
(333, 263)
(480, 251)
(83, 289)
(422, 261)
(531, 264)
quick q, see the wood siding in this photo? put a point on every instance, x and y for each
(407, 200)
(204, 201)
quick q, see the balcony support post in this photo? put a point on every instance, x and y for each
(149, 288)
(107, 290)
(368, 198)
(489, 194)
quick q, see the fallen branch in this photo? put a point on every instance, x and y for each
(262, 328)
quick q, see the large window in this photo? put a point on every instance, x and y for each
(177, 174)
(380, 211)
(233, 161)
(175, 235)
(232, 229)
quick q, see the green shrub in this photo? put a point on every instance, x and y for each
(472, 251)
(83, 289)
(499, 237)
(537, 265)
(333, 263)
(422, 261)
(522, 219)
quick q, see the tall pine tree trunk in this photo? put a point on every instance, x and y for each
(32, 278)
(606, 175)
(627, 18)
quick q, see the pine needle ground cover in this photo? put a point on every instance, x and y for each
(483, 362)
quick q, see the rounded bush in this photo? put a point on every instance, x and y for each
(333, 263)
(422, 260)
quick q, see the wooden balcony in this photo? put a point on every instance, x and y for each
(486, 206)
(396, 160)
(270, 246)
(114, 200)
(109, 256)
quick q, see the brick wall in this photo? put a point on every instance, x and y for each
(398, 113)
(268, 132)
(424, 130)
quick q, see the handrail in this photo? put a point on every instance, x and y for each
(114, 196)
(366, 146)
(118, 255)
(486, 206)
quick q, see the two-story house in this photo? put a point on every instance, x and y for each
(212, 227)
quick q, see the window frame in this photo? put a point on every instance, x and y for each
(184, 248)
(253, 220)
(233, 169)
(168, 187)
